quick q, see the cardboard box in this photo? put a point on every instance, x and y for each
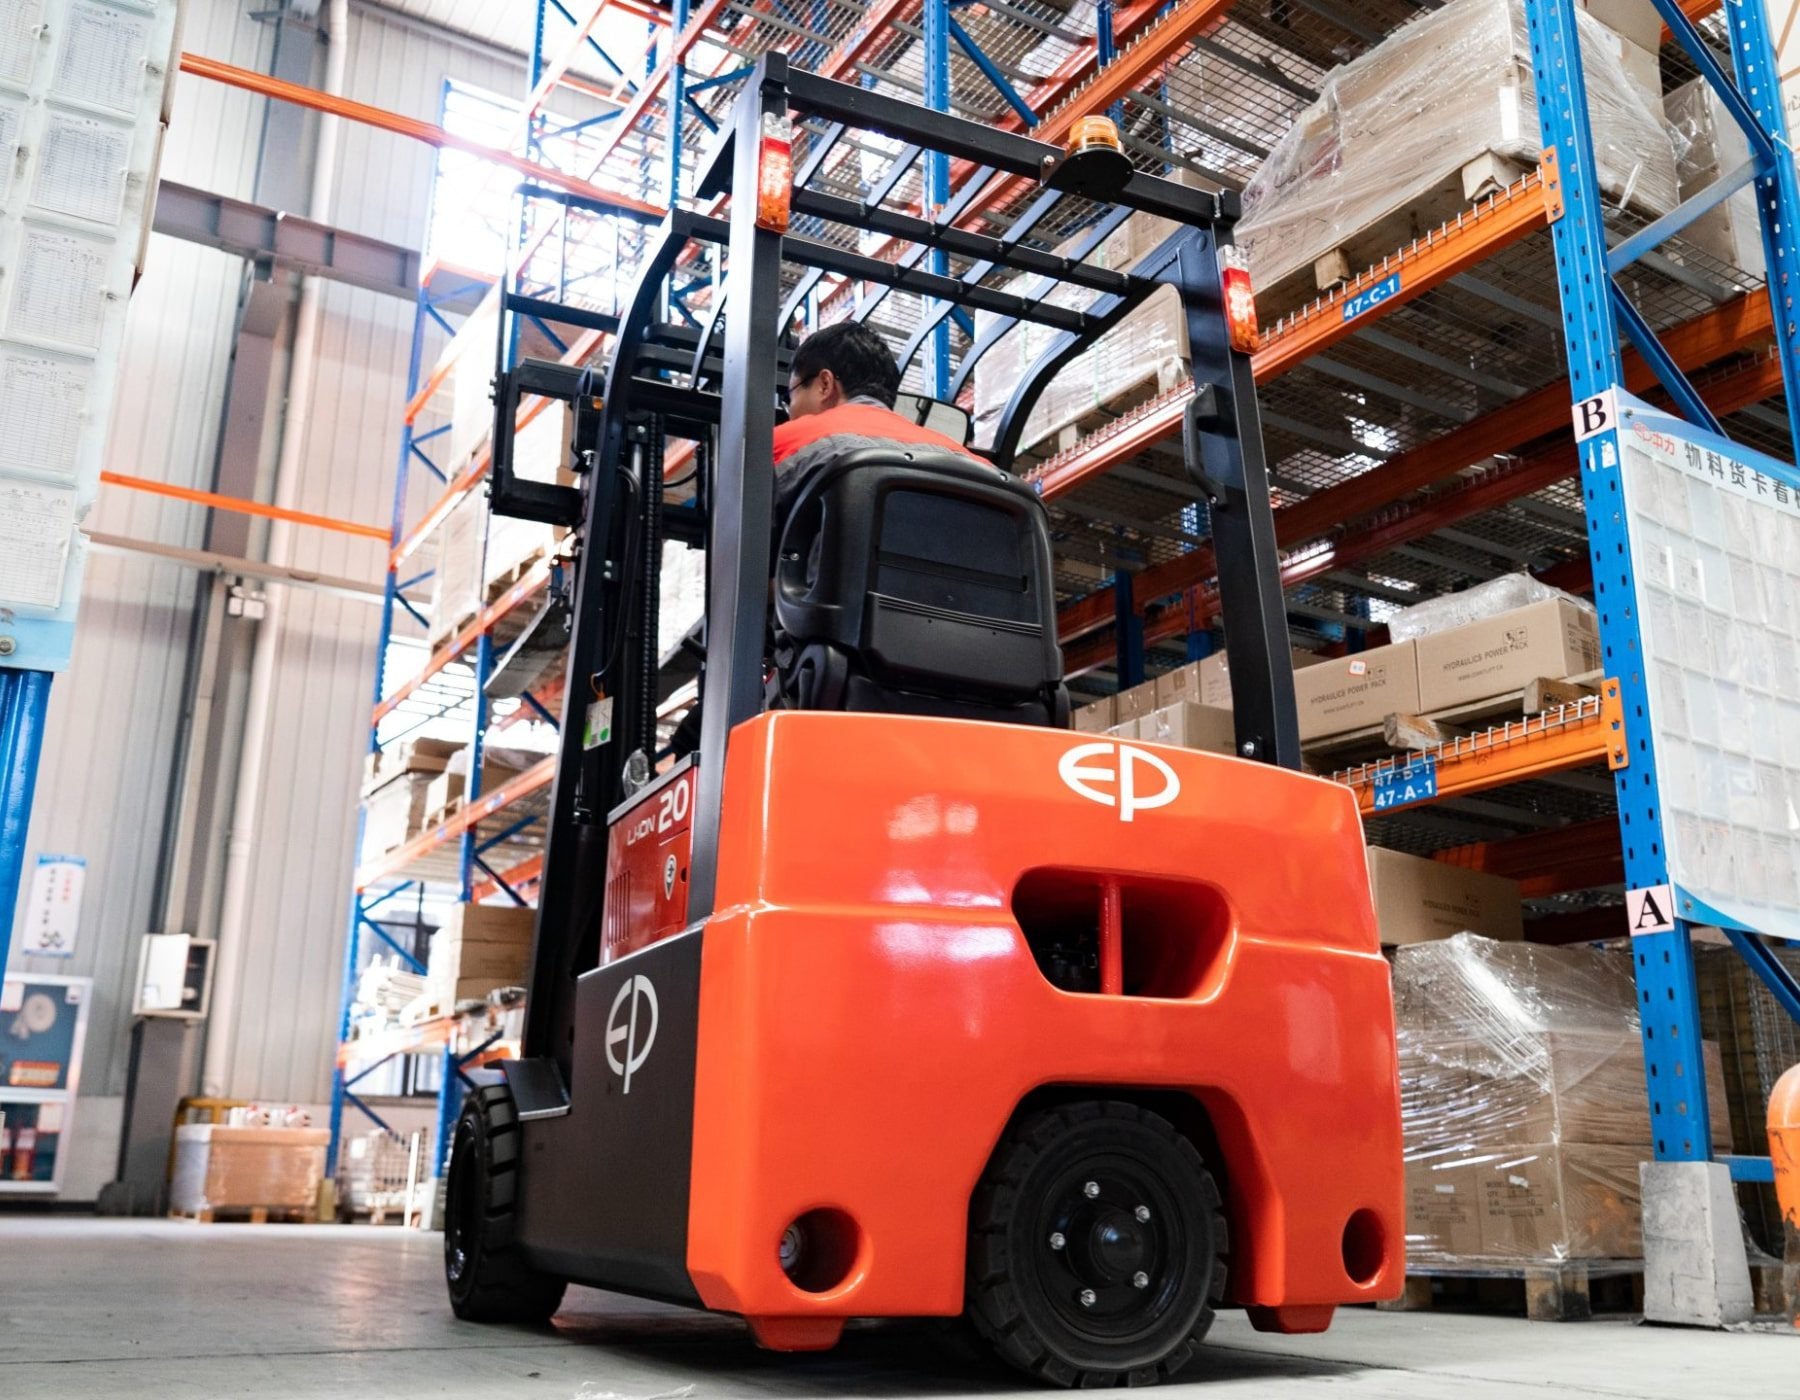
(395, 812)
(1190, 726)
(1210, 682)
(1136, 702)
(1784, 19)
(443, 790)
(1569, 1200)
(1145, 353)
(1418, 900)
(478, 948)
(1643, 68)
(1711, 145)
(1633, 20)
(1377, 158)
(1183, 683)
(223, 1168)
(1553, 639)
(409, 756)
(1352, 692)
(1443, 1209)
(1597, 1090)
(1096, 718)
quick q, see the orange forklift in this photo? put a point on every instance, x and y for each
(897, 998)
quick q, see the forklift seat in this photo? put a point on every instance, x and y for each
(916, 580)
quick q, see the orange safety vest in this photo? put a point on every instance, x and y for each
(804, 443)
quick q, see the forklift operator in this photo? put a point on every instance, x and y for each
(841, 392)
(841, 399)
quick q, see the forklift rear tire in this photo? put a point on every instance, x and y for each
(488, 1277)
(1096, 1247)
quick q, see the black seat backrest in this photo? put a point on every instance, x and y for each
(918, 580)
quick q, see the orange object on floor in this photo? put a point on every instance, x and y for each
(1784, 1152)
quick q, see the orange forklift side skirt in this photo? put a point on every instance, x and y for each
(872, 1013)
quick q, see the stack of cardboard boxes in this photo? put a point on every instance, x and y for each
(479, 948)
(1146, 353)
(1437, 116)
(1418, 900)
(396, 791)
(476, 549)
(1523, 1103)
(498, 765)
(1552, 638)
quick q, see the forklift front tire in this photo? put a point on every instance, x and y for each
(488, 1277)
(1096, 1247)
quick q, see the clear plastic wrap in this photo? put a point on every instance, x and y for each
(1387, 143)
(374, 1171)
(1709, 145)
(224, 1168)
(1146, 352)
(1485, 600)
(1523, 1103)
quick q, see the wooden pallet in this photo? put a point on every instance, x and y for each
(1552, 1293)
(1568, 1292)
(419, 1012)
(1157, 379)
(443, 630)
(443, 814)
(1457, 193)
(249, 1215)
(498, 583)
(1412, 733)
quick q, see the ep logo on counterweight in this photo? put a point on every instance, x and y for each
(1132, 779)
(631, 1022)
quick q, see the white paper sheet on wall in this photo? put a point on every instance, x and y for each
(19, 42)
(60, 291)
(41, 412)
(12, 124)
(1716, 547)
(37, 525)
(81, 168)
(101, 59)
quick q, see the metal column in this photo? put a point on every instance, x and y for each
(24, 704)
(1594, 309)
(1664, 962)
(937, 173)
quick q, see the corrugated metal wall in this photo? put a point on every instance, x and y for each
(116, 716)
(286, 1018)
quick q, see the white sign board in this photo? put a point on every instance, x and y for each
(53, 909)
(1715, 541)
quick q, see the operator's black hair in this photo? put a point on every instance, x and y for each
(858, 357)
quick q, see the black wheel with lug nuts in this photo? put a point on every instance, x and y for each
(487, 1274)
(1096, 1247)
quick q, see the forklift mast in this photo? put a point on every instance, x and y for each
(718, 388)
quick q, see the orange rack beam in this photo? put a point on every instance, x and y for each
(1497, 222)
(1589, 730)
(538, 576)
(332, 105)
(241, 506)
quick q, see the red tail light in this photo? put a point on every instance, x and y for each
(1240, 300)
(775, 173)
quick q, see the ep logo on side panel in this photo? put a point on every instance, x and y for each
(632, 1024)
(1119, 775)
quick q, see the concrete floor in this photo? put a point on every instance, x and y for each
(155, 1310)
